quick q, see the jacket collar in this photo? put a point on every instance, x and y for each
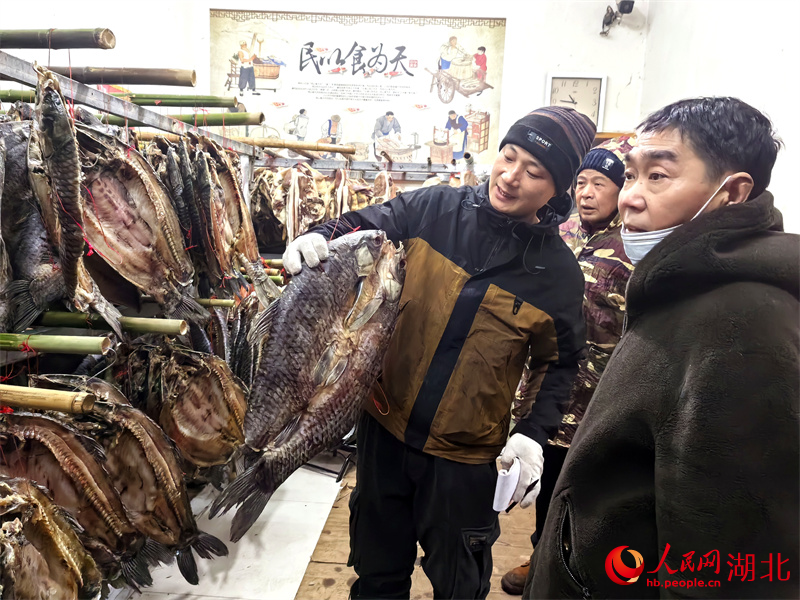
(732, 244)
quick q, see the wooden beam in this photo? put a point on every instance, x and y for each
(22, 72)
(57, 38)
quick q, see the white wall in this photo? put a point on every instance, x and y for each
(665, 50)
(750, 50)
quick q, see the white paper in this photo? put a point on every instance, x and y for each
(507, 480)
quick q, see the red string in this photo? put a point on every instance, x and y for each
(24, 347)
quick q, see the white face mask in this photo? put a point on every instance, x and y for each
(638, 244)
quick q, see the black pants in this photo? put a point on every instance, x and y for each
(403, 495)
(554, 457)
(247, 77)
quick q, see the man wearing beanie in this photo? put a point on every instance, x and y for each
(593, 234)
(489, 282)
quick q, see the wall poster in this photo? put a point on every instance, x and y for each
(411, 88)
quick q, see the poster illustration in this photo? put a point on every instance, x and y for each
(403, 88)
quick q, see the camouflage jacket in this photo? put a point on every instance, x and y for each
(606, 270)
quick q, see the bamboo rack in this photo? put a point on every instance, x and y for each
(57, 38)
(14, 95)
(59, 344)
(129, 76)
(174, 100)
(221, 302)
(202, 119)
(133, 324)
(44, 399)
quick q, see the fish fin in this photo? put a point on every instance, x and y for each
(199, 338)
(329, 368)
(355, 320)
(136, 573)
(208, 546)
(23, 307)
(252, 489)
(189, 310)
(262, 324)
(106, 310)
(187, 566)
(93, 447)
(288, 430)
(155, 553)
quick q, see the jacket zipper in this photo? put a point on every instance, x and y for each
(493, 252)
(584, 590)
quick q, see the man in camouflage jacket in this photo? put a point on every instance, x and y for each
(593, 235)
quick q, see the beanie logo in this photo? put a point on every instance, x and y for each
(539, 140)
(607, 164)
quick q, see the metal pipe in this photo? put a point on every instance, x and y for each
(44, 399)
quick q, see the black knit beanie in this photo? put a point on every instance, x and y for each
(558, 137)
(605, 162)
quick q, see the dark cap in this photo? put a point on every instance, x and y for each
(605, 162)
(558, 137)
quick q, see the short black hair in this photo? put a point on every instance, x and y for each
(302, 111)
(389, 113)
(726, 133)
(482, 48)
(452, 112)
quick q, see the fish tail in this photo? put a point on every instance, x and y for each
(252, 490)
(106, 310)
(136, 573)
(189, 310)
(155, 553)
(24, 307)
(187, 566)
(208, 546)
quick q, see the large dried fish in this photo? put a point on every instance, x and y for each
(5, 266)
(144, 468)
(60, 153)
(53, 454)
(131, 223)
(325, 339)
(41, 555)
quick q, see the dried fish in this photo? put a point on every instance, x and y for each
(325, 339)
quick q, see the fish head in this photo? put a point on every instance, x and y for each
(392, 270)
(368, 247)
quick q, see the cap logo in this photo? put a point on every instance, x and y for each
(607, 164)
(539, 140)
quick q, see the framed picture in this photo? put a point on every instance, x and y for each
(584, 92)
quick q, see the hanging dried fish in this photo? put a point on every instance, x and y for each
(41, 555)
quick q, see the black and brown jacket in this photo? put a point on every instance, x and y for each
(482, 293)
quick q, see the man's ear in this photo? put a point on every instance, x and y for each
(738, 187)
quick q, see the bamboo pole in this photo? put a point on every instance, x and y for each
(295, 145)
(44, 399)
(178, 100)
(14, 95)
(134, 324)
(147, 136)
(221, 302)
(57, 38)
(274, 262)
(59, 344)
(126, 76)
(201, 119)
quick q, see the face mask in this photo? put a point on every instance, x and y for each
(638, 244)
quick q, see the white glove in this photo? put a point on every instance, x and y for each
(531, 463)
(311, 247)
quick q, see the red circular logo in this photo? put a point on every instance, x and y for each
(618, 571)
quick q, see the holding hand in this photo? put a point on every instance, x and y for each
(310, 247)
(531, 464)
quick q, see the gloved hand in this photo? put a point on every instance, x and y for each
(531, 463)
(311, 247)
